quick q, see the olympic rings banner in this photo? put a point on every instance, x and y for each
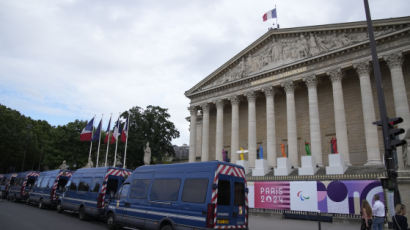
(338, 196)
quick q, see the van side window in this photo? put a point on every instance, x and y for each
(44, 182)
(50, 182)
(224, 192)
(124, 191)
(239, 199)
(38, 182)
(165, 189)
(96, 186)
(139, 188)
(194, 190)
(83, 186)
(73, 185)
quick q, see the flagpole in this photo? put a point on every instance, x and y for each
(277, 25)
(91, 144)
(116, 140)
(108, 144)
(99, 142)
(126, 140)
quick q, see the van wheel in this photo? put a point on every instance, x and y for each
(111, 222)
(166, 227)
(81, 214)
(40, 204)
(59, 207)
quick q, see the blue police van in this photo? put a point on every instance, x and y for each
(203, 195)
(21, 184)
(5, 184)
(90, 189)
(49, 185)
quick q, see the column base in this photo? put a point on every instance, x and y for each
(261, 168)
(336, 165)
(308, 166)
(244, 164)
(284, 167)
(373, 162)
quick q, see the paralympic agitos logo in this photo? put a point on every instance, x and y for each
(302, 197)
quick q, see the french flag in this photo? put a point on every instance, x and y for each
(269, 14)
(87, 132)
(107, 132)
(116, 132)
(124, 132)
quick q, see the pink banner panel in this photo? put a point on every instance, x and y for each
(272, 195)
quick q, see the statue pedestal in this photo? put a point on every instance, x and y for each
(244, 164)
(284, 168)
(308, 166)
(261, 168)
(336, 165)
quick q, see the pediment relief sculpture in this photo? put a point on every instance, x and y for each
(280, 50)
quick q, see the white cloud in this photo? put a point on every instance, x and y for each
(70, 59)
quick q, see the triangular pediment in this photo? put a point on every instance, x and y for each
(280, 47)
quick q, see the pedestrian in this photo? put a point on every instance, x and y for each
(378, 213)
(399, 220)
(366, 216)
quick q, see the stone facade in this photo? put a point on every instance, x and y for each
(300, 85)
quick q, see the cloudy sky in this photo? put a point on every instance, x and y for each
(62, 60)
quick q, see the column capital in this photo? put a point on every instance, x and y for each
(268, 91)
(394, 60)
(311, 81)
(362, 68)
(289, 86)
(193, 110)
(205, 107)
(250, 95)
(219, 103)
(335, 75)
(234, 100)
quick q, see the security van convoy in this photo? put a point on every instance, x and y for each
(21, 184)
(204, 195)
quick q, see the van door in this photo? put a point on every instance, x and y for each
(224, 210)
(122, 203)
(239, 205)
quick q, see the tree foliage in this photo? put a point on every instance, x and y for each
(28, 144)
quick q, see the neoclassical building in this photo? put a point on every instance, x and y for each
(304, 84)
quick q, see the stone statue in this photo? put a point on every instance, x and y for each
(63, 165)
(147, 154)
(90, 163)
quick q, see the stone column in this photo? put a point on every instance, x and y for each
(314, 120)
(192, 133)
(369, 116)
(235, 128)
(291, 123)
(340, 117)
(401, 105)
(219, 129)
(205, 132)
(270, 126)
(251, 128)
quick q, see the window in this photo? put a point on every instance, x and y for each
(50, 182)
(38, 182)
(44, 182)
(139, 188)
(165, 189)
(96, 185)
(73, 185)
(224, 192)
(195, 190)
(83, 186)
(239, 199)
(124, 191)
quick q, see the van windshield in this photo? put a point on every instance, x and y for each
(239, 199)
(224, 192)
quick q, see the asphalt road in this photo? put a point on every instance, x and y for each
(19, 216)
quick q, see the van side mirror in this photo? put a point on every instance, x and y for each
(214, 186)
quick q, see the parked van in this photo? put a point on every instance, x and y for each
(48, 187)
(21, 184)
(90, 189)
(3, 180)
(203, 195)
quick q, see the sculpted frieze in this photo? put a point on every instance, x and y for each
(280, 50)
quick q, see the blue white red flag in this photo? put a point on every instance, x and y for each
(107, 132)
(269, 14)
(87, 132)
(124, 132)
(97, 133)
(116, 131)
